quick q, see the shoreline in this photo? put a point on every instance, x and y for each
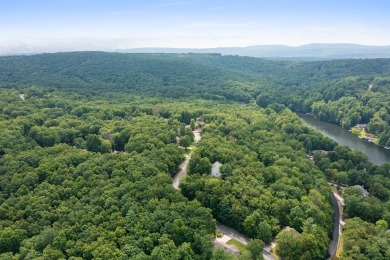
(359, 131)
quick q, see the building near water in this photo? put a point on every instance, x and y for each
(361, 127)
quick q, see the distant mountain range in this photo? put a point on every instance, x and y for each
(314, 51)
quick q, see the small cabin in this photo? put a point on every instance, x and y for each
(361, 127)
(215, 169)
(364, 191)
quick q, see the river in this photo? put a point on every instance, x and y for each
(375, 153)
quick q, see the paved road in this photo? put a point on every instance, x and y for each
(183, 169)
(183, 166)
(224, 229)
(336, 227)
(338, 198)
(233, 234)
(241, 238)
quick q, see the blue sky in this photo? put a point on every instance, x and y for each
(66, 25)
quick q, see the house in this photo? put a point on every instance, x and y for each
(215, 170)
(364, 191)
(361, 127)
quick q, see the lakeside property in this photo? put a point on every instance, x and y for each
(375, 153)
(360, 131)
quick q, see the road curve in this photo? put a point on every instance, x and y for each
(223, 229)
(183, 169)
(233, 234)
(241, 238)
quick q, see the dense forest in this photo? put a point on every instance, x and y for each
(89, 144)
(267, 182)
(345, 92)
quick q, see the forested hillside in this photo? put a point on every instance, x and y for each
(66, 193)
(89, 144)
(345, 92)
(267, 182)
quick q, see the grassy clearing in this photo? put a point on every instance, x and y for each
(358, 132)
(238, 244)
(362, 133)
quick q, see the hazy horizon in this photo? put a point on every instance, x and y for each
(77, 25)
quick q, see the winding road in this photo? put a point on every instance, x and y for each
(223, 229)
(233, 234)
(183, 167)
(182, 172)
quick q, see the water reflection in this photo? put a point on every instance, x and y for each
(376, 154)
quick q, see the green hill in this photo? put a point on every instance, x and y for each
(88, 151)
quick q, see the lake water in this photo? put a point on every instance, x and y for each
(376, 154)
